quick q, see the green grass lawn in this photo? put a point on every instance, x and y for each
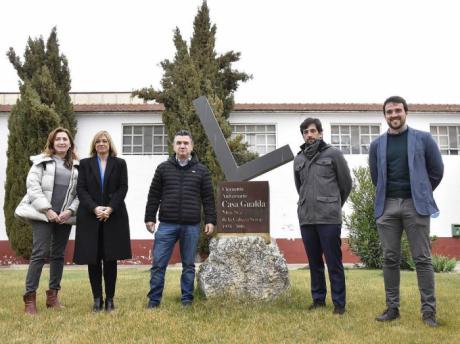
(225, 320)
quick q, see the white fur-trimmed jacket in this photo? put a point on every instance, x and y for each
(40, 183)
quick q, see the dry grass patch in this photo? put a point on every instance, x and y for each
(224, 320)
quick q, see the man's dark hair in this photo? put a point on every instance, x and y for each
(397, 100)
(305, 124)
(184, 132)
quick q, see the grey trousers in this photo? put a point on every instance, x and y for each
(400, 214)
(49, 242)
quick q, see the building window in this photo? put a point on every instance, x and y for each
(144, 139)
(447, 137)
(261, 138)
(354, 139)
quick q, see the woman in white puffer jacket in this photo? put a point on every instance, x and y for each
(51, 191)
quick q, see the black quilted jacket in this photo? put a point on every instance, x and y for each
(179, 192)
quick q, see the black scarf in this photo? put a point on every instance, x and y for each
(311, 149)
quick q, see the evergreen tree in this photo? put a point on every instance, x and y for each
(216, 72)
(55, 94)
(197, 71)
(59, 69)
(363, 234)
(44, 104)
(194, 72)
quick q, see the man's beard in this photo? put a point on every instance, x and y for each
(396, 127)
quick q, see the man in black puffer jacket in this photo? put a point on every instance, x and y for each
(180, 186)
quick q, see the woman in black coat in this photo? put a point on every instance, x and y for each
(102, 234)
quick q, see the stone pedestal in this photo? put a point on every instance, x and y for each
(243, 267)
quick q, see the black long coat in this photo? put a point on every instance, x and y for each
(116, 237)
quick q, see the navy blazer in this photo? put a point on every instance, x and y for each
(425, 169)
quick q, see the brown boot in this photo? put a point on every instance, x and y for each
(52, 300)
(30, 303)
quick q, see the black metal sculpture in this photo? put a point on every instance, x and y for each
(232, 171)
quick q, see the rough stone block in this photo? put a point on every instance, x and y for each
(244, 267)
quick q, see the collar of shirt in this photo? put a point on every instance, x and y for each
(184, 162)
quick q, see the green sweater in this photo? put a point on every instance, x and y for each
(398, 177)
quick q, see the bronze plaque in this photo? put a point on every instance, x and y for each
(243, 207)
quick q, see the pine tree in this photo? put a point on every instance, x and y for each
(194, 72)
(44, 104)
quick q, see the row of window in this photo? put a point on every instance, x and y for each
(153, 139)
(261, 138)
(447, 137)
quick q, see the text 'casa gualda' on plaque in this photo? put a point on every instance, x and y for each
(243, 207)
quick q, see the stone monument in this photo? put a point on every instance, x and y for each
(242, 261)
(244, 267)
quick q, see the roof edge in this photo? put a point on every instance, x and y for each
(267, 107)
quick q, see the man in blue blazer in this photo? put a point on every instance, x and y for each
(406, 166)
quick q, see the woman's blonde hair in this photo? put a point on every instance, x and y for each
(112, 149)
(50, 151)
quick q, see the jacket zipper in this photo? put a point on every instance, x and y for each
(182, 171)
(66, 199)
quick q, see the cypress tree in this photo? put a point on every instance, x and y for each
(195, 71)
(44, 104)
(59, 69)
(216, 72)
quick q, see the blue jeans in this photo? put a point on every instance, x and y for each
(325, 240)
(166, 237)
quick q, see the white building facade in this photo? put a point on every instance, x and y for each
(139, 135)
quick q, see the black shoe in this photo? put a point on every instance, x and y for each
(109, 305)
(389, 315)
(98, 304)
(151, 305)
(338, 310)
(187, 303)
(429, 318)
(316, 304)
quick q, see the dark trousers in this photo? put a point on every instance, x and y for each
(49, 242)
(106, 268)
(319, 240)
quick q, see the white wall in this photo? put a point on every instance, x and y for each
(140, 167)
(283, 195)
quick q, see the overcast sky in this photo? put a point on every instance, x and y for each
(297, 51)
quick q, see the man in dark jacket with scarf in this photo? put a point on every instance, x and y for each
(180, 186)
(323, 181)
